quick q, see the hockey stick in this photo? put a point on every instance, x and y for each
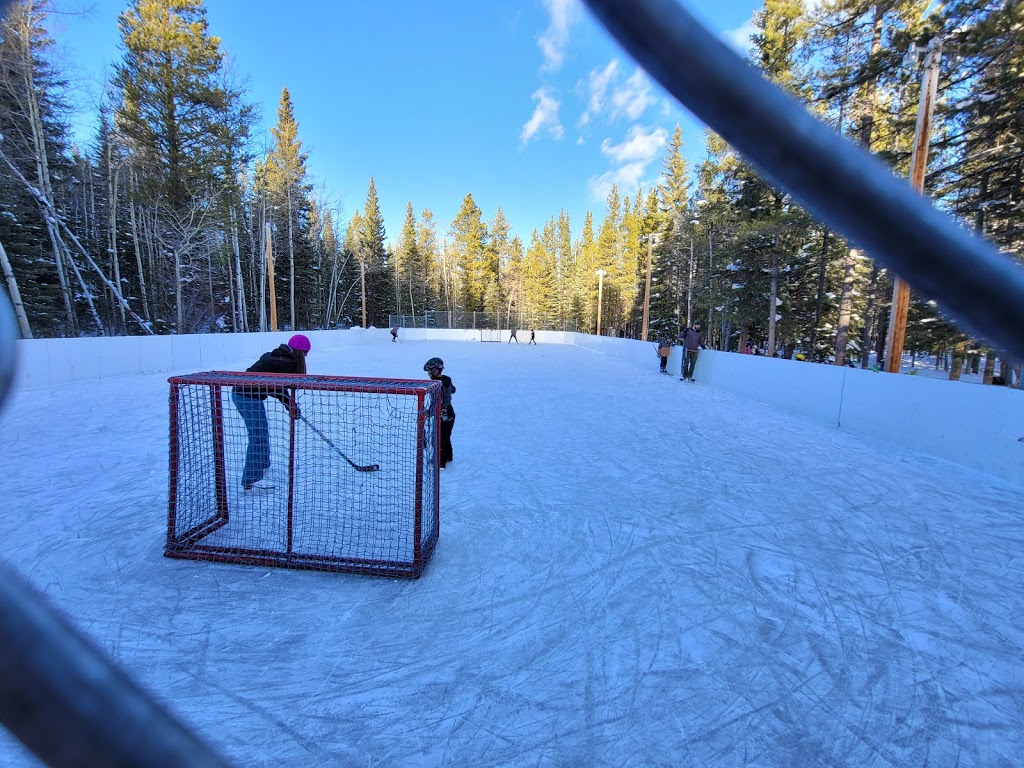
(322, 436)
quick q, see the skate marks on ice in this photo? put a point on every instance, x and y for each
(630, 572)
(870, 612)
(816, 570)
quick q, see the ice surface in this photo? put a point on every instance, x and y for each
(632, 571)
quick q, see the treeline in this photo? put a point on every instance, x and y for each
(163, 223)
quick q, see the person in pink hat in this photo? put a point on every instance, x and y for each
(248, 399)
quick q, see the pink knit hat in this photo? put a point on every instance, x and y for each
(298, 341)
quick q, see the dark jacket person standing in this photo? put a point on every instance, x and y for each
(248, 399)
(693, 341)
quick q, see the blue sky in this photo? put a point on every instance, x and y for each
(525, 104)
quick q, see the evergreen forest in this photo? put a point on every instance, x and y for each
(162, 224)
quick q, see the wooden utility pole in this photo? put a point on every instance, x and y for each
(270, 277)
(362, 287)
(689, 289)
(711, 297)
(918, 165)
(600, 289)
(651, 240)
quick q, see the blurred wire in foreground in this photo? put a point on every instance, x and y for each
(834, 179)
(62, 698)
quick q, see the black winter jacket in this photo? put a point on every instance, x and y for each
(280, 360)
(447, 390)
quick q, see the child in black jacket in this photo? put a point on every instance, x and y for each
(434, 366)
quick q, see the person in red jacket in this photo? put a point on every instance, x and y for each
(248, 399)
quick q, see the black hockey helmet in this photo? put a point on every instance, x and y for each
(433, 364)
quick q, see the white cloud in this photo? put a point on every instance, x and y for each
(554, 40)
(633, 156)
(633, 98)
(605, 95)
(640, 145)
(627, 178)
(544, 117)
(739, 38)
(598, 82)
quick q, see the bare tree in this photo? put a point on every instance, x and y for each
(138, 251)
(12, 289)
(18, 78)
(186, 237)
(57, 224)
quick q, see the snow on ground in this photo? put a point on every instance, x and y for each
(632, 571)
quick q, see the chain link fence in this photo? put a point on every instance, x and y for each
(482, 321)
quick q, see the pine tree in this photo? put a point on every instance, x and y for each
(174, 96)
(183, 124)
(611, 248)
(988, 123)
(427, 245)
(865, 41)
(635, 263)
(283, 177)
(540, 275)
(411, 268)
(670, 274)
(469, 243)
(372, 255)
(585, 284)
(564, 266)
(500, 246)
(675, 185)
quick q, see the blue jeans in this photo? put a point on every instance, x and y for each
(257, 455)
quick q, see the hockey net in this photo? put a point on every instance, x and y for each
(355, 478)
(490, 334)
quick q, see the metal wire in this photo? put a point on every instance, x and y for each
(840, 183)
(62, 698)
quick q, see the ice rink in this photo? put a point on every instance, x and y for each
(631, 571)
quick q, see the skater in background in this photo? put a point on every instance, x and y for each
(394, 334)
(513, 337)
(693, 341)
(434, 368)
(533, 337)
(664, 349)
(248, 399)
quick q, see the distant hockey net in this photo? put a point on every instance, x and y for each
(490, 334)
(355, 478)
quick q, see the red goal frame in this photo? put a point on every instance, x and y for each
(189, 531)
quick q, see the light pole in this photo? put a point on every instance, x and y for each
(652, 240)
(600, 289)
